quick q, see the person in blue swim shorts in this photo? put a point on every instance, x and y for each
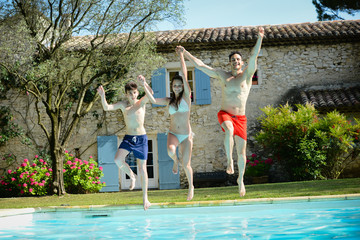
(135, 140)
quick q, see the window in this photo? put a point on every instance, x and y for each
(190, 74)
(255, 80)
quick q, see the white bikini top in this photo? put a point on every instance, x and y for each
(183, 107)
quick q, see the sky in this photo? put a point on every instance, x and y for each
(227, 13)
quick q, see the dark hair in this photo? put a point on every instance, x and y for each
(130, 86)
(233, 53)
(173, 100)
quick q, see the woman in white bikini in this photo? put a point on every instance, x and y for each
(180, 133)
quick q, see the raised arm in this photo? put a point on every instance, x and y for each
(200, 65)
(106, 106)
(180, 51)
(252, 64)
(149, 92)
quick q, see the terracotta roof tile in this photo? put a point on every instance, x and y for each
(343, 99)
(242, 36)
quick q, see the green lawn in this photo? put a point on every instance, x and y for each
(274, 190)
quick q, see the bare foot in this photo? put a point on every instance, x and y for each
(191, 193)
(147, 204)
(175, 167)
(132, 183)
(230, 168)
(242, 190)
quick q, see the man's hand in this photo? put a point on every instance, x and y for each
(101, 91)
(261, 31)
(141, 79)
(180, 50)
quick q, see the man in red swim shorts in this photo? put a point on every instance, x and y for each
(236, 86)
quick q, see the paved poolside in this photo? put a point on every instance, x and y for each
(11, 211)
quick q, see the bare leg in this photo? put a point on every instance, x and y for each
(241, 151)
(121, 163)
(186, 150)
(172, 143)
(229, 145)
(144, 182)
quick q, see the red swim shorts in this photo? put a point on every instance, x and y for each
(239, 123)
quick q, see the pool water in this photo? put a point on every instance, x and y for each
(332, 219)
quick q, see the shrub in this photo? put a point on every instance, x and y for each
(35, 178)
(309, 147)
(28, 179)
(81, 176)
(257, 166)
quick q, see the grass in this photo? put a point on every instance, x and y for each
(273, 190)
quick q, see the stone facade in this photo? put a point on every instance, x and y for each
(280, 68)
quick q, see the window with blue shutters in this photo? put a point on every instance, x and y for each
(199, 83)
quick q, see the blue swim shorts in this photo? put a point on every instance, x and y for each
(137, 144)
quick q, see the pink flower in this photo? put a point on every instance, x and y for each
(64, 170)
(69, 162)
(41, 184)
(13, 179)
(45, 163)
(256, 161)
(86, 170)
(21, 176)
(43, 181)
(253, 155)
(24, 185)
(71, 155)
(100, 168)
(33, 165)
(47, 174)
(93, 182)
(41, 160)
(86, 162)
(50, 169)
(9, 171)
(30, 190)
(22, 191)
(66, 151)
(91, 157)
(91, 167)
(79, 168)
(247, 160)
(89, 177)
(97, 177)
(36, 156)
(23, 164)
(31, 180)
(26, 160)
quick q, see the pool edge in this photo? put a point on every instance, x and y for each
(18, 211)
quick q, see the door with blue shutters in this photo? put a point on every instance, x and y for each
(167, 179)
(151, 165)
(107, 147)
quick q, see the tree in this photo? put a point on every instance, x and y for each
(330, 9)
(47, 62)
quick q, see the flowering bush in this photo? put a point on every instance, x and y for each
(256, 166)
(81, 176)
(35, 178)
(28, 179)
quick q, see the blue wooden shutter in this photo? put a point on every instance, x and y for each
(203, 91)
(167, 180)
(158, 84)
(107, 147)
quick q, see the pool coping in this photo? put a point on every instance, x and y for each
(211, 203)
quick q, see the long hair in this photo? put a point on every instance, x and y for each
(173, 100)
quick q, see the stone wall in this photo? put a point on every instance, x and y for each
(280, 69)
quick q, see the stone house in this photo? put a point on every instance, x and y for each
(317, 62)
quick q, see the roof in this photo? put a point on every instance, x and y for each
(323, 32)
(343, 99)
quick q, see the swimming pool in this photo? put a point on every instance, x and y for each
(338, 219)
